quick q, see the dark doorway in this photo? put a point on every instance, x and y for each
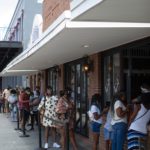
(136, 70)
(76, 78)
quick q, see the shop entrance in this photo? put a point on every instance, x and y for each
(76, 78)
(136, 70)
(125, 70)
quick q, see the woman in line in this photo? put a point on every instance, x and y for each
(97, 119)
(1, 102)
(108, 127)
(119, 121)
(139, 120)
(49, 103)
(66, 110)
(13, 99)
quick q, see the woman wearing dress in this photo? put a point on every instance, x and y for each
(66, 110)
(49, 103)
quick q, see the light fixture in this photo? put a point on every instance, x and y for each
(39, 75)
(87, 65)
(110, 67)
(86, 46)
(86, 68)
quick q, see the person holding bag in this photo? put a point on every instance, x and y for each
(66, 111)
(139, 120)
(48, 106)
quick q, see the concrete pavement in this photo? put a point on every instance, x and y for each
(11, 140)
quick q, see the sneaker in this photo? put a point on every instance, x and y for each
(56, 145)
(31, 129)
(46, 146)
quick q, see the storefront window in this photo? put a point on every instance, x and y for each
(116, 73)
(77, 80)
(107, 78)
(52, 79)
(111, 75)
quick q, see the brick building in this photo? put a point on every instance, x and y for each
(99, 46)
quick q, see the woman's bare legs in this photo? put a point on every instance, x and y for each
(72, 139)
(63, 137)
(46, 134)
(95, 141)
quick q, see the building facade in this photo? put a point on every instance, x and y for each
(109, 71)
(22, 26)
(92, 47)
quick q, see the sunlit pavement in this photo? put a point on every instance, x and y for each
(10, 139)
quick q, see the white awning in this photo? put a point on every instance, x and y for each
(72, 40)
(111, 10)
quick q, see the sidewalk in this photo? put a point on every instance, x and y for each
(10, 140)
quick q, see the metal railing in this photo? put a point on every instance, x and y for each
(10, 34)
(63, 123)
(3, 31)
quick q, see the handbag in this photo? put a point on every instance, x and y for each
(42, 111)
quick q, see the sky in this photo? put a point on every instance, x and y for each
(7, 8)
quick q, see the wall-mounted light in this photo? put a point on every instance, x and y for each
(88, 65)
(40, 75)
(109, 67)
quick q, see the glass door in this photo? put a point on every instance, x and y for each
(52, 79)
(112, 73)
(77, 80)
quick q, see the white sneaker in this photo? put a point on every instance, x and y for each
(46, 146)
(56, 145)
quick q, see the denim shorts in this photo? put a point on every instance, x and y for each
(107, 134)
(95, 127)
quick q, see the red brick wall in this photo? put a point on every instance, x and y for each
(94, 85)
(43, 81)
(52, 9)
(61, 78)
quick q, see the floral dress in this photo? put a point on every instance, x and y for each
(50, 105)
(66, 110)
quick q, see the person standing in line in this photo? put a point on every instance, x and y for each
(65, 109)
(1, 101)
(49, 103)
(13, 99)
(96, 122)
(139, 120)
(24, 98)
(119, 121)
(6, 94)
(34, 103)
(108, 127)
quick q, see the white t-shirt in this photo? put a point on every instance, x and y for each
(140, 124)
(6, 93)
(116, 118)
(95, 109)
